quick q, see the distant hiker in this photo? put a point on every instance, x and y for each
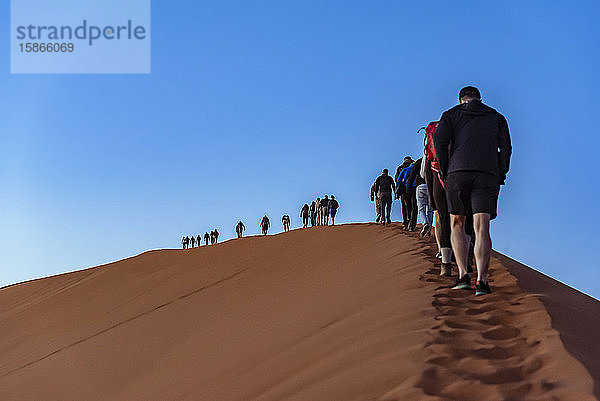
(473, 148)
(265, 224)
(187, 242)
(325, 211)
(401, 189)
(216, 236)
(313, 214)
(333, 207)
(193, 241)
(384, 186)
(405, 193)
(183, 242)
(212, 237)
(415, 179)
(206, 238)
(199, 240)
(239, 229)
(318, 211)
(437, 201)
(425, 211)
(304, 214)
(285, 220)
(375, 198)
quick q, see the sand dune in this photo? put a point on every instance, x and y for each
(353, 312)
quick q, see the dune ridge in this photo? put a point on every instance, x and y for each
(352, 312)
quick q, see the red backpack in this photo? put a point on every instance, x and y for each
(429, 147)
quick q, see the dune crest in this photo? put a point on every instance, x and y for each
(353, 312)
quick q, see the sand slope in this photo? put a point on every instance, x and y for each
(353, 312)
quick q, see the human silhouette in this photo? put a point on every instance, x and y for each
(199, 240)
(206, 238)
(325, 211)
(333, 207)
(183, 242)
(304, 214)
(313, 214)
(239, 229)
(193, 241)
(285, 220)
(216, 236)
(385, 186)
(265, 224)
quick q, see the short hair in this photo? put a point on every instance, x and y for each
(469, 92)
(385, 171)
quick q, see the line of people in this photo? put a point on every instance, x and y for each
(457, 180)
(319, 211)
(193, 241)
(318, 214)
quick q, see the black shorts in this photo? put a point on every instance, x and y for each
(472, 192)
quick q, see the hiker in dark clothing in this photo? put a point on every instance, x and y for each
(404, 194)
(318, 211)
(216, 236)
(206, 238)
(193, 240)
(473, 148)
(375, 198)
(385, 186)
(212, 237)
(401, 190)
(199, 240)
(239, 229)
(333, 207)
(183, 244)
(324, 208)
(265, 224)
(413, 181)
(313, 214)
(285, 221)
(304, 213)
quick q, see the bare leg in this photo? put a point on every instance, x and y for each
(460, 246)
(483, 244)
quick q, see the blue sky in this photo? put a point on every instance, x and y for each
(257, 107)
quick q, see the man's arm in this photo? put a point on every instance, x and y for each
(505, 149)
(442, 138)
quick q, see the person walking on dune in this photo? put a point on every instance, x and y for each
(406, 194)
(401, 189)
(333, 208)
(206, 238)
(193, 240)
(212, 237)
(325, 211)
(437, 201)
(473, 148)
(183, 244)
(318, 211)
(384, 186)
(285, 220)
(265, 224)
(413, 182)
(239, 229)
(304, 214)
(199, 240)
(375, 198)
(313, 214)
(216, 236)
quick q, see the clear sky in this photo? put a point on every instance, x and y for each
(257, 107)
